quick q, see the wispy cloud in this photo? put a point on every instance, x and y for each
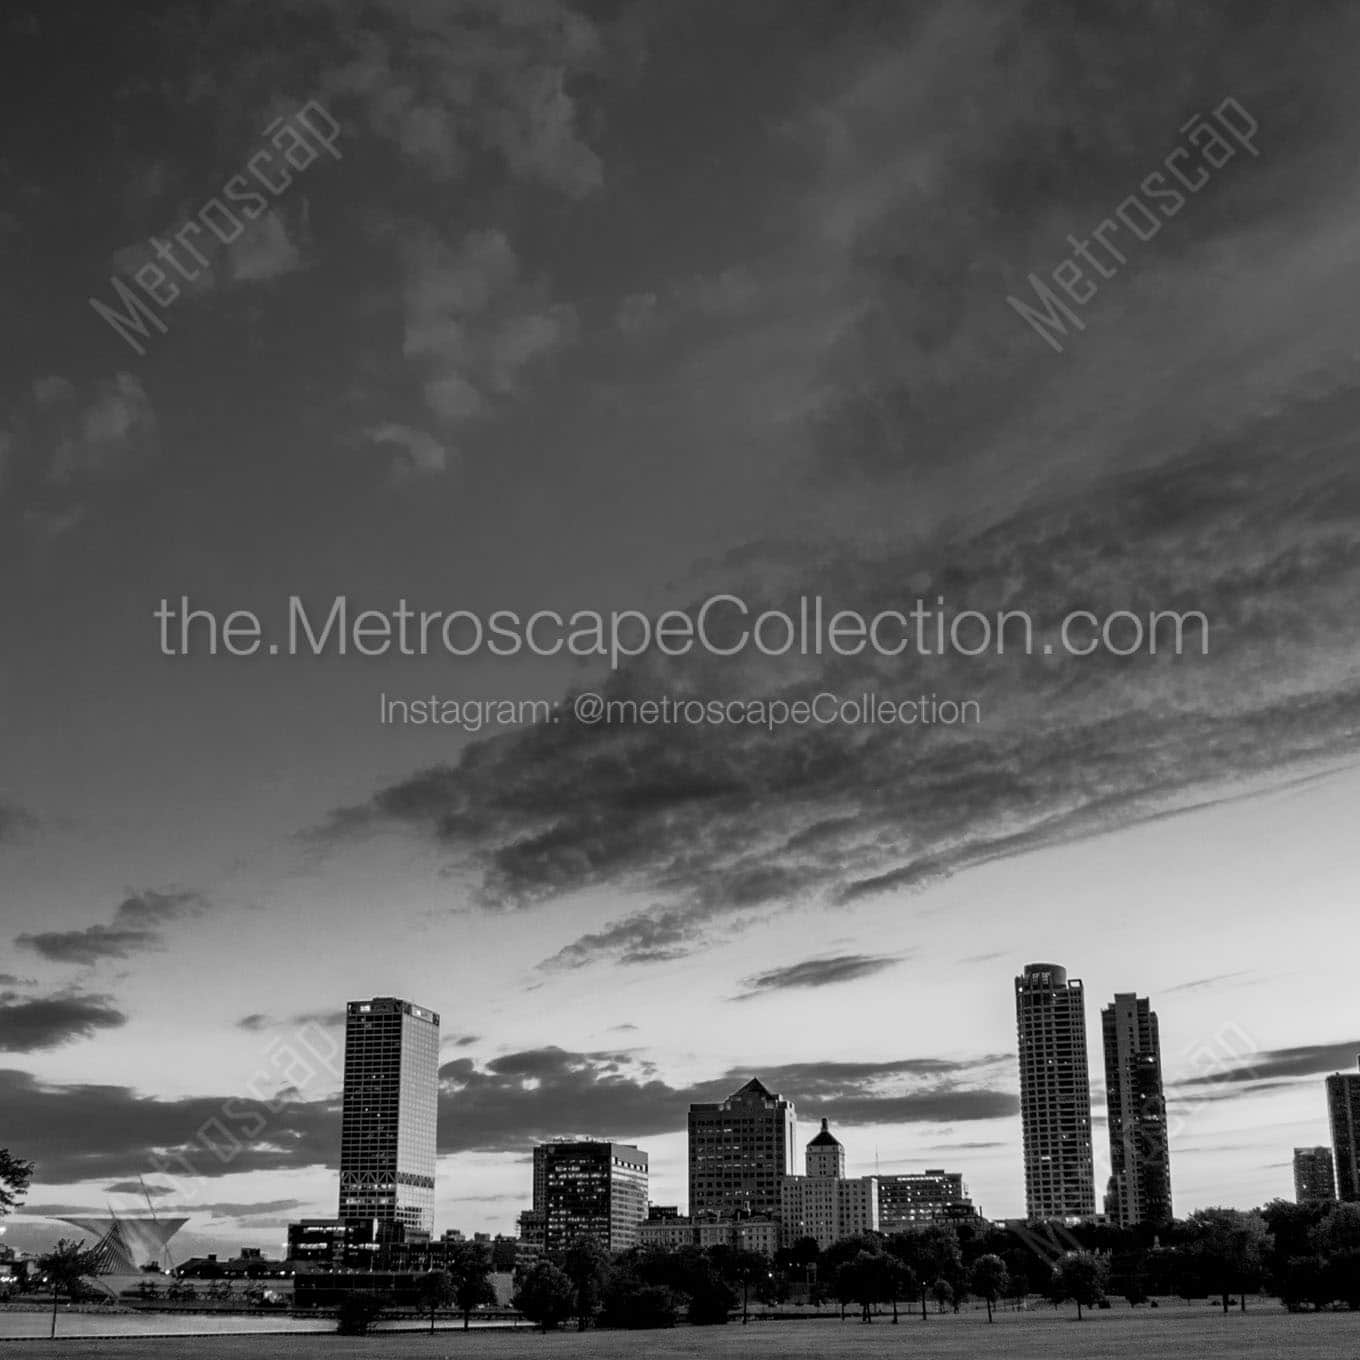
(138, 925)
(825, 972)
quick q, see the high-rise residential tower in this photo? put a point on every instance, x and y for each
(1314, 1176)
(389, 1113)
(1343, 1107)
(1140, 1160)
(592, 1190)
(739, 1152)
(1055, 1094)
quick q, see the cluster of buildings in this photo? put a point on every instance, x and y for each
(744, 1190)
(1324, 1174)
(744, 1187)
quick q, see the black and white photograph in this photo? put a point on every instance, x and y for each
(679, 677)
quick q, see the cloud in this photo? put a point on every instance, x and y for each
(818, 973)
(138, 1188)
(83, 1131)
(68, 443)
(1197, 984)
(417, 454)
(515, 1100)
(1269, 1068)
(257, 1021)
(16, 822)
(717, 826)
(137, 926)
(474, 326)
(36, 1024)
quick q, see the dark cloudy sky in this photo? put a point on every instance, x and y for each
(609, 305)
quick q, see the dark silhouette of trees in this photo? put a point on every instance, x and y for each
(66, 1267)
(1229, 1247)
(1080, 1276)
(546, 1296)
(989, 1280)
(470, 1270)
(588, 1266)
(15, 1174)
(435, 1290)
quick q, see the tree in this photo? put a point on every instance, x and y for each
(359, 1310)
(741, 1269)
(989, 1280)
(546, 1296)
(862, 1280)
(711, 1298)
(1080, 1276)
(588, 1266)
(435, 1290)
(15, 1175)
(469, 1268)
(1230, 1247)
(65, 1267)
(942, 1292)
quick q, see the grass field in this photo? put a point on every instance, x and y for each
(1172, 1335)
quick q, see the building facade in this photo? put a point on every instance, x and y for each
(740, 1150)
(1314, 1175)
(389, 1113)
(1343, 1109)
(593, 1189)
(908, 1201)
(1140, 1158)
(1055, 1094)
(824, 1203)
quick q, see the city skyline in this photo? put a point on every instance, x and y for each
(581, 307)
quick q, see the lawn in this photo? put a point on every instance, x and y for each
(1171, 1334)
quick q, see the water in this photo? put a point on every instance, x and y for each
(188, 1324)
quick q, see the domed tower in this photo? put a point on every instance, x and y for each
(826, 1155)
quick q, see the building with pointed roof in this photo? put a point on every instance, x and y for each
(825, 1204)
(740, 1150)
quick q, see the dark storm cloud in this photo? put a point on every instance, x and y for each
(718, 825)
(35, 1024)
(1070, 107)
(817, 973)
(1279, 1067)
(138, 1188)
(525, 1097)
(79, 1132)
(137, 926)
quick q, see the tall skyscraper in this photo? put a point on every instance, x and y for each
(389, 1113)
(1140, 1159)
(739, 1152)
(592, 1190)
(1055, 1094)
(1314, 1176)
(1343, 1107)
